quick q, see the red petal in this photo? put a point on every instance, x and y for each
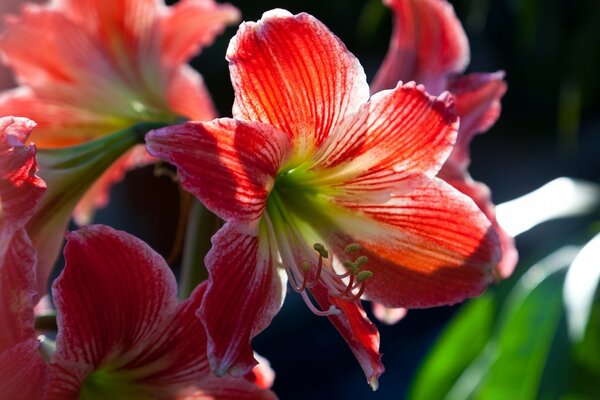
(188, 96)
(22, 372)
(402, 133)
(428, 43)
(482, 196)
(20, 189)
(293, 73)
(190, 25)
(17, 291)
(114, 298)
(229, 165)
(356, 329)
(428, 247)
(228, 388)
(478, 105)
(245, 291)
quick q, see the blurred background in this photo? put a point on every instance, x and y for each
(514, 342)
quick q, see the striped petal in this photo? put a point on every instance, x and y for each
(400, 133)
(428, 247)
(245, 291)
(294, 74)
(428, 44)
(229, 165)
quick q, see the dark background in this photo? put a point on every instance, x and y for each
(550, 127)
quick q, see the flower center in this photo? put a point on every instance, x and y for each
(296, 210)
(106, 384)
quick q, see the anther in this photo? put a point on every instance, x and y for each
(351, 266)
(352, 248)
(360, 261)
(319, 248)
(362, 275)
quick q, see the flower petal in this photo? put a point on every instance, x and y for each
(22, 372)
(17, 291)
(482, 196)
(428, 44)
(356, 329)
(428, 247)
(20, 189)
(478, 105)
(114, 299)
(293, 73)
(400, 133)
(387, 315)
(188, 96)
(245, 291)
(190, 25)
(229, 165)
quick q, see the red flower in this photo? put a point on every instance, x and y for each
(101, 66)
(327, 189)
(122, 332)
(429, 46)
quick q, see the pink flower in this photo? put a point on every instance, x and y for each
(102, 66)
(429, 46)
(326, 188)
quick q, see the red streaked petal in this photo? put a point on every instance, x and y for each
(427, 247)
(22, 372)
(229, 165)
(245, 291)
(20, 189)
(114, 299)
(262, 374)
(190, 25)
(428, 44)
(401, 133)
(482, 196)
(188, 96)
(478, 105)
(293, 73)
(387, 315)
(356, 329)
(228, 388)
(17, 291)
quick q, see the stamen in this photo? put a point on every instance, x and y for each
(331, 311)
(352, 248)
(362, 275)
(319, 248)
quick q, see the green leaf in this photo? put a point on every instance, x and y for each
(459, 345)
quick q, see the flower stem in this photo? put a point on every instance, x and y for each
(202, 225)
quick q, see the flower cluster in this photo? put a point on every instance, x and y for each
(339, 190)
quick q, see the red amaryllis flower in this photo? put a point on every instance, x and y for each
(122, 332)
(327, 189)
(22, 370)
(102, 66)
(429, 46)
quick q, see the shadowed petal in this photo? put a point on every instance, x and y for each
(22, 372)
(293, 73)
(430, 246)
(428, 43)
(356, 329)
(478, 105)
(229, 165)
(187, 95)
(245, 291)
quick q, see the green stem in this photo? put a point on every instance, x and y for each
(202, 225)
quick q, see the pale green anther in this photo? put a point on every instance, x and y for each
(360, 261)
(353, 247)
(319, 248)
(362, 275)
(351, 266)
(306, 266)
